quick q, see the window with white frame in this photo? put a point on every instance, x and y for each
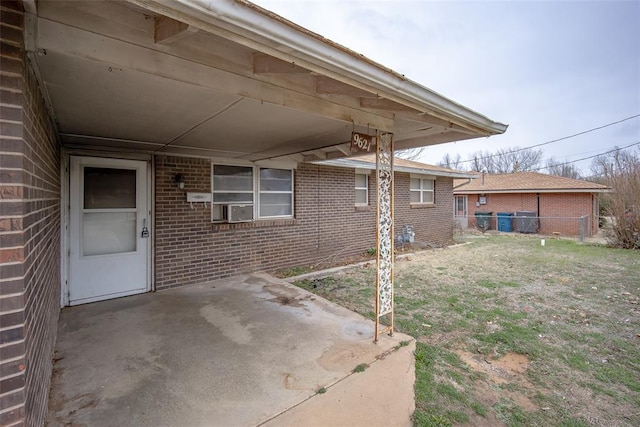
(422, 189)
(362, 189)
(231, 185)
(268, 190)
(276, 193)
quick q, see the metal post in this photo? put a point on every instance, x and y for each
(385, 252)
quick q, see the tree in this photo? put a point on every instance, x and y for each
(481, 161)
(451, 162)
(620, 170)
(509, 160)
(567, 170)
(410, 153)
(506, 160)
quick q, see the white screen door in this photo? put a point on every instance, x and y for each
(460, 211)
(109, 230)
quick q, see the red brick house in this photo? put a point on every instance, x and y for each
(556, 204)
(153, 144)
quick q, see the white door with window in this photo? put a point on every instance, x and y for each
(460, 211)
(109, 229)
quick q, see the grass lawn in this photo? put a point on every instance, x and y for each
(510, 332)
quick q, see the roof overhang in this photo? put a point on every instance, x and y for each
(534, 191)
(222, 78)
(355, 163)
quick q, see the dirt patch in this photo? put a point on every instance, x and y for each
(508, 369)
(500, 371)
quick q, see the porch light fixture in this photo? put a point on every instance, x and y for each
(179, 179)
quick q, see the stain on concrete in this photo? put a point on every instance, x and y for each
(342, 354)
(67, 408)
(228, 323)
(287, 295)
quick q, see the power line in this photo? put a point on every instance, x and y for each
(553, 140)
(588, 157)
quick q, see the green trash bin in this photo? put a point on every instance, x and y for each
(483, 220)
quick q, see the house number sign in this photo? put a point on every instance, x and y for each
(362, 143)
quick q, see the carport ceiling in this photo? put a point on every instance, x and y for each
(121, 76)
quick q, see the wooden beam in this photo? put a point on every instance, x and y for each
(383, 104)
(312, 158)
(329, 86)
(80, 43)
(167, 30)
(335, 155)
(266, 64)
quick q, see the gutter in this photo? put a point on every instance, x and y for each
(257, 28)
(460, 190)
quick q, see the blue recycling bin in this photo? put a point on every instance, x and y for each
(505, 221)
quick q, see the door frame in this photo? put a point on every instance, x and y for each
(65, 213)
(465, 217)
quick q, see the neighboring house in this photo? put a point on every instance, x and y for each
(557, 204)
(136, 133)
(422, 201)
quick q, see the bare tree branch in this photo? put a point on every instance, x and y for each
(451, 162)
(410, 153)
(509, 160)
(621, 171)
(564, 169)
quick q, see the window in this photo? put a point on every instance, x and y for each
(269, 190)
(276, 193)
(362, 189)
(422, 190)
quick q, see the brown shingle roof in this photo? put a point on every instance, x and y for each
(527, 182)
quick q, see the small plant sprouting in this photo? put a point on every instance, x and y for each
(371, 251)
(360, 368)
(321, 390)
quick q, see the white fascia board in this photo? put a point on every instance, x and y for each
(358, 164)
(420, 171)
(461, 191)
(265, 31)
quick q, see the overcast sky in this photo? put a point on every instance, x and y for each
(548, 69)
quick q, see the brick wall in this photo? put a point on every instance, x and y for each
(327, 225)
(433, 224)
(29, 232)
(559, 212)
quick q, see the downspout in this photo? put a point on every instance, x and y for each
(538, 211)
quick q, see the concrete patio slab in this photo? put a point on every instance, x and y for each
(244, 351)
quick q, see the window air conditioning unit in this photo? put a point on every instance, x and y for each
(237, 213)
